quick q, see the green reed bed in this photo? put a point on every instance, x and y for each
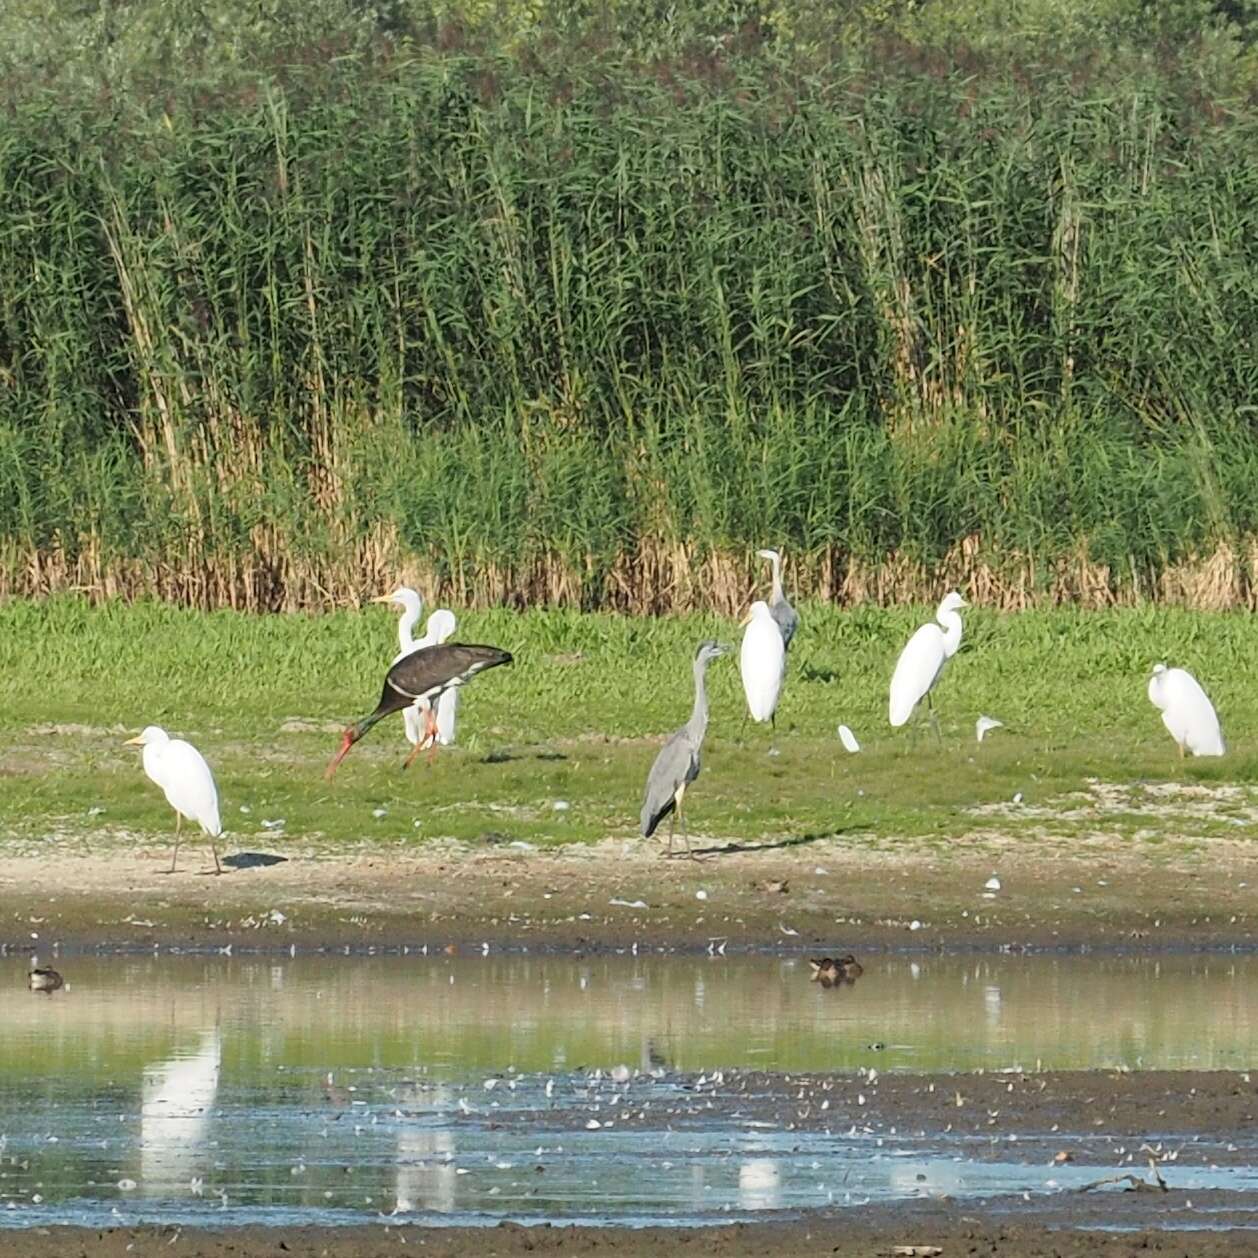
(575, 717)
(587, 334)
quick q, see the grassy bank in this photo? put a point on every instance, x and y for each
(576, 718)
(584, 331)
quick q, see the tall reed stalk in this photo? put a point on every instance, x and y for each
(590, 334)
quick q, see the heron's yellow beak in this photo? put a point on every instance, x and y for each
(137, 741)
(746, 620)
(383, 598)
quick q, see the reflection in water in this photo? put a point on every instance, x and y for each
(426, 1173)
(319, 1089)
(759, 1184)
(454, 1017)
(178, 1097)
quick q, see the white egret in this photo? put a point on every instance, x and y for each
(423, 730)
(441, 624)
(923, 659)
(784, 615)
(762, 661)
(185, 778)
(1186, 711)
(411, 604)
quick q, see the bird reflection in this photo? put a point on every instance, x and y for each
(759, 1184)
(178, 1096)
(426, 1174)
(653, 1062)
(836, 971)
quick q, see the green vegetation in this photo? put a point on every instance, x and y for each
(571, 720)
(550, 305)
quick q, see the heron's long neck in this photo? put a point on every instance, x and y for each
(776, 595)
(951, 622)
(406, 626)
(698, 723)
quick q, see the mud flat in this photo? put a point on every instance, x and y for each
(900, 895)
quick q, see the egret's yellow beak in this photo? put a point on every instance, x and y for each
(137, 741)
(746, 620)
(382, 598)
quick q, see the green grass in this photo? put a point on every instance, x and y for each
(572, 720)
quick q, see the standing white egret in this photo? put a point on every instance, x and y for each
(784, 615)
(441, 624)
(411, 605)
(423, 729)
(923, 659)
(1186, 711)
(762, 661)
(185, 778)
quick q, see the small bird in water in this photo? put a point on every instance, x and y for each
(831, 971)
(44, 979)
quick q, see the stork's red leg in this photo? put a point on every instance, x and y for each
(430, 734)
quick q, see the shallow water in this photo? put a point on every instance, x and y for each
(180, 1089)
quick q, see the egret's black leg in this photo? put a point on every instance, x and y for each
(174, 856)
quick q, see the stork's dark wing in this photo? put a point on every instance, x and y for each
(432, 669)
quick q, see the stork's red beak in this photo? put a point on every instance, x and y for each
(347, 741)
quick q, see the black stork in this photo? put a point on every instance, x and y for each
(423, 674)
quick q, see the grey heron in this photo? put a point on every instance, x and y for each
(677, 764)
(784, 615)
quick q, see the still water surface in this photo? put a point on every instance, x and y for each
(224, 1090)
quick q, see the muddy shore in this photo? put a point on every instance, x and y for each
(940, 1229)
(905, 895)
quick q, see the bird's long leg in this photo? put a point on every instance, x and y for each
(415, 750)
(174, 856)
(670, 836)
(218, 869)
(934, 718)
(430, 726)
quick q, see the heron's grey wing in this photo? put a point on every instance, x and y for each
(672, 767)
(787, 620)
